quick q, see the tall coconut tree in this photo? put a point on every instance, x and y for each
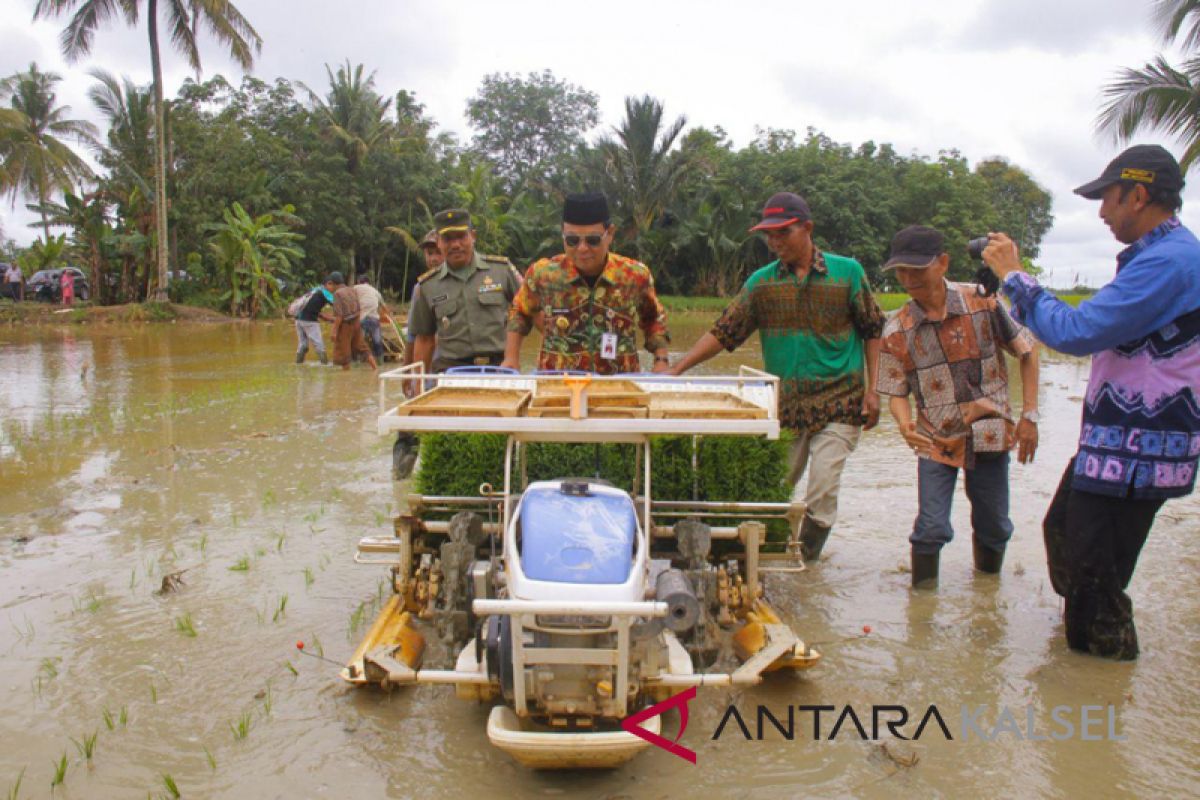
(1160, 96)
(37, 161)
(183, 18)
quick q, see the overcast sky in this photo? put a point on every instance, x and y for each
(1020, 79)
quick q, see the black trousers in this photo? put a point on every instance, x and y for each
(1092, 546)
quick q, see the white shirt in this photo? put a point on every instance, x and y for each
(368, 300)
(12, 274)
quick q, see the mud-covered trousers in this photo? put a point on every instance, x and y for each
(1092, 547)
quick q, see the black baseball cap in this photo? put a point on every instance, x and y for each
(335, 277)
(915, 246)
(452, 220)
(430, 240)
(782, 210)
(1147, 164)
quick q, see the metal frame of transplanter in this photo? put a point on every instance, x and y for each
(749, 384)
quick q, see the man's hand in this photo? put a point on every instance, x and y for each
(921, 444)
(1027, 441)
(870, 410)
(662, 367)
(1001, 255)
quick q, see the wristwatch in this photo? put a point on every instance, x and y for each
(1031, 416)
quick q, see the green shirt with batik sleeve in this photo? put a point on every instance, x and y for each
(812, 334)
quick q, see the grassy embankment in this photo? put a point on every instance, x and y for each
(31, 313)
(888, 301)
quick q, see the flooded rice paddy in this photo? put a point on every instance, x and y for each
(128, 455)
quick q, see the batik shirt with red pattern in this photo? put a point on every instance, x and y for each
(577, 316)
(955, 369)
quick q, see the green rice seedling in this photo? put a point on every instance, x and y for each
(133, 577)
(268, 701)
(259, 552)
(280, 609)
(14, 791)
(291, 668)
(202, 546)
(26, 632)
(242, 565)
(279, 542)
(169, 785)
(308, 577)
(124, 718)
(91, 603)
(87, 745)
(233, 519)
(241, 726)
(268, 499)
(212, 762)
(60, 772)
(48, 668)
(107, 716)
(310, 517)
(316, 645)
(357, 616)
(185, 625)
(153, 693)
(380, 519)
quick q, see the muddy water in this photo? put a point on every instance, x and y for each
(128, 454)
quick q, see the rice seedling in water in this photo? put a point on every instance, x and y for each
(107, 716)
(268, 701)
(281, 609)
(87, 745)
(291, 669)
(133, 577)
(185, 625)
(308, 577)
(268, 499)
(380, 519)
(316, 645)
(279, 542)
(124, 718)
(14, 791)
(169, 785)
(153, 696)
(25, 633)
(48, 668)
(357, 616)
(60, 772)
(212, 762)
(241, 727)
(203, 544)
(242, 565)
(91, 603)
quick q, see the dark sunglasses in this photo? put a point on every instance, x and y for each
(573, 239)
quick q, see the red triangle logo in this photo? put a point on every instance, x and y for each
(634, 724)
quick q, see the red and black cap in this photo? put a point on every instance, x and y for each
(1147, 164)
(782, 210)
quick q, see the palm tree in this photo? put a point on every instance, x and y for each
(183, 18)
(642, 168)
(36, 160)
(354, 115)
(1158, 96)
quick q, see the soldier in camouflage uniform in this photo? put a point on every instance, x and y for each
(463, 304)
(592, 301)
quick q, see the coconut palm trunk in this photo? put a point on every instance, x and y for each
(160, 159)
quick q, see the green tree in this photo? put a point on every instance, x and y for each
(254, 252)
(88, 219)
(183, 18)
(37, 161)
(528, 125)
(642, 166)
(1022, 207)
(1160, 96)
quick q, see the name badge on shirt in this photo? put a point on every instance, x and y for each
(608, 345)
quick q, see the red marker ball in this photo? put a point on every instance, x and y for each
(866, 629)
(299, 645)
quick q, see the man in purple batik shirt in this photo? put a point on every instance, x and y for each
(1141, 418)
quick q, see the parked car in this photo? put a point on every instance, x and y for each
(46, 285)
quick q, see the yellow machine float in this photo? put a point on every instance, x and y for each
(572, 604)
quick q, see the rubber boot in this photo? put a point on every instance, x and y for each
(812, 539)
(988, 560)
(324, 359)
(925, 570)
(404, 455)
(300, 358)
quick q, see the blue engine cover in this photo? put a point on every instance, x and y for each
(577, 539)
